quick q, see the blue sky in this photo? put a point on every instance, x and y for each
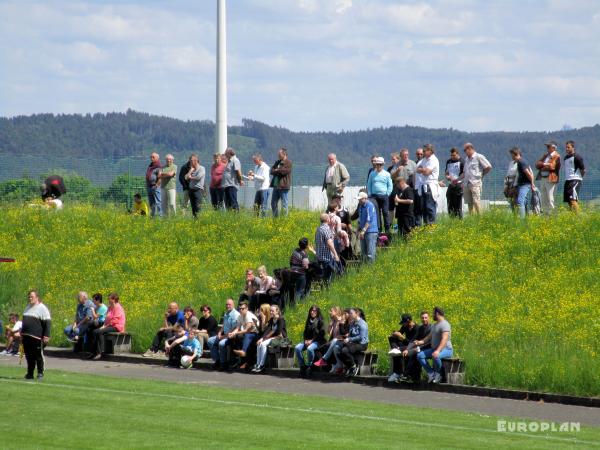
(310, 64)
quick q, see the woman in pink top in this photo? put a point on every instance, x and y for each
(216, 175)
(114, 323)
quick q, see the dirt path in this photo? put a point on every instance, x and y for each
(481, 405)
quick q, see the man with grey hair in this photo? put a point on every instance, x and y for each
(260, 175)
(83, 318)
(168, 186)
(196, 178)
(476, 166)
(153, 185)
(232, 179)
(336, 177)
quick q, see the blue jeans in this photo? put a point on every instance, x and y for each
(155, 201)
(213, 346)
(216, 197)
(249, 339)
(279, 194)
(70, 333)
(522, 199)
(383, 206)
(260, 202)
(310, 353)
(231, 201)
(368, 246)
(332, 345)
(423, 356)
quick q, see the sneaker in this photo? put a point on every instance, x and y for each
(333, 369)
(28, 377)
(260, 369)
(351, 372)
(321, 363)
(395, 352)
(355, 371)
(148, 354)
(430, 377)
(160, 354)
(394, 377)
(40, 377)
(437, 378)
(403, 379)
(97, 357)
(4, 352)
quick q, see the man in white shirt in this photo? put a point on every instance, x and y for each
(427, 189)
(260, 175)
(475, 168)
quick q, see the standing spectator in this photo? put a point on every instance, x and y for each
(114, 323)
(404, 197)
(419, 155)
(232, 180)
(196, 178)
(475, 168)
(574, 173)
(191, 321)
(367, 227)
(153, 185)
(454, 194)
(441, 346)
(185, 184)
(327, 256)
(216, 176)
(12, 335)
(372, 168)
(35, 334)
(336, 177)
(406, 168)
(207, 327)
(281, 182)
(244, 333)
(260, 175)
(218, 344)
(548, 174)
(168, 186)
(399, 342)
(356, 342)
(314, 337)
(173, 316)
(83, 318)
(427, 189)
(524, 181)
(379, 187)
(274, 332)
(140, 207)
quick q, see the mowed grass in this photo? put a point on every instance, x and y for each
(85, 411)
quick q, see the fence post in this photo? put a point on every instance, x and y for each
(128, 199)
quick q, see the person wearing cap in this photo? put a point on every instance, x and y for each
(574, 173)
(454, 194)
(367, 227)
(475, 168)
(379, 187)
(427, 189)
(441, 346)
(548, 172)
(336, 177)
(399, 341)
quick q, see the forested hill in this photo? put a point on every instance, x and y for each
(118, 135)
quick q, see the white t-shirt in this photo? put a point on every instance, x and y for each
(17, 326)
(249, 322)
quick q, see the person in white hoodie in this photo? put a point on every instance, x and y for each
(427, 189)
(260, 175)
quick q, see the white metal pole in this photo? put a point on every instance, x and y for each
(221, 131)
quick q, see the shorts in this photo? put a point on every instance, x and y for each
(472, 194)
(572, 188)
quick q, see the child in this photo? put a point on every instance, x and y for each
(140, 207)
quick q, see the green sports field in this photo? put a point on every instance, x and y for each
(85, 411)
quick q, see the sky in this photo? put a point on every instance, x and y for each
(310, 65)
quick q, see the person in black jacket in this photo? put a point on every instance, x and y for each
(412, 368)
(314, 337)
(207, 327)
(185, 184)
(35, 334)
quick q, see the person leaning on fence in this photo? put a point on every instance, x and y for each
(356, 342)
(197, 189)
(83, 318)
(207, 326)
(12, 333)
(153, 185)
(168, 186)
(114, 323)
(524, 181)
(35, 333)
(367, 227)
(336, 177)
(399, 341)
(337, 331)
(219, 343)
(140, 207)
(274, 333)
(548, 173)
(441, 346)
(327, 255)
(216, 176)
(173, 316)
(281, 182)
(574, 173)
(313, 338)
(260, 175)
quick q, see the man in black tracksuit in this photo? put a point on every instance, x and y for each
(35, 334)
(454, 194)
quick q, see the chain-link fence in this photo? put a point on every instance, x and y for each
(105, 181)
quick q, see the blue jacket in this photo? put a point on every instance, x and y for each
(368, 214)
(359, 332)
(379, 183)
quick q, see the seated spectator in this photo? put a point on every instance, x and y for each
(83, 318)
(172, 316)
(314, 337)
(251, 285)
(264, 315)
(299, 264)
(140, 207)
(399, 342)
(99, 311)
(191, 321)
(244, 333)
(273, 334)
(356, 342)
(114, 323)
(182, 344)
(441, 346)
(13, 335)
(267, 286)
(207, 327)
(219, 343)
(337, 331)
(412, 369)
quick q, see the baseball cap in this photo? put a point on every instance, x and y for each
(551, 144)
(361, 195)
(337, 196)
(405, 319)
(379, 160)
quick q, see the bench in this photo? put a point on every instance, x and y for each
(454, 370)
(117, 343)
(280, 357)
(367, 363)
(353, 264)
